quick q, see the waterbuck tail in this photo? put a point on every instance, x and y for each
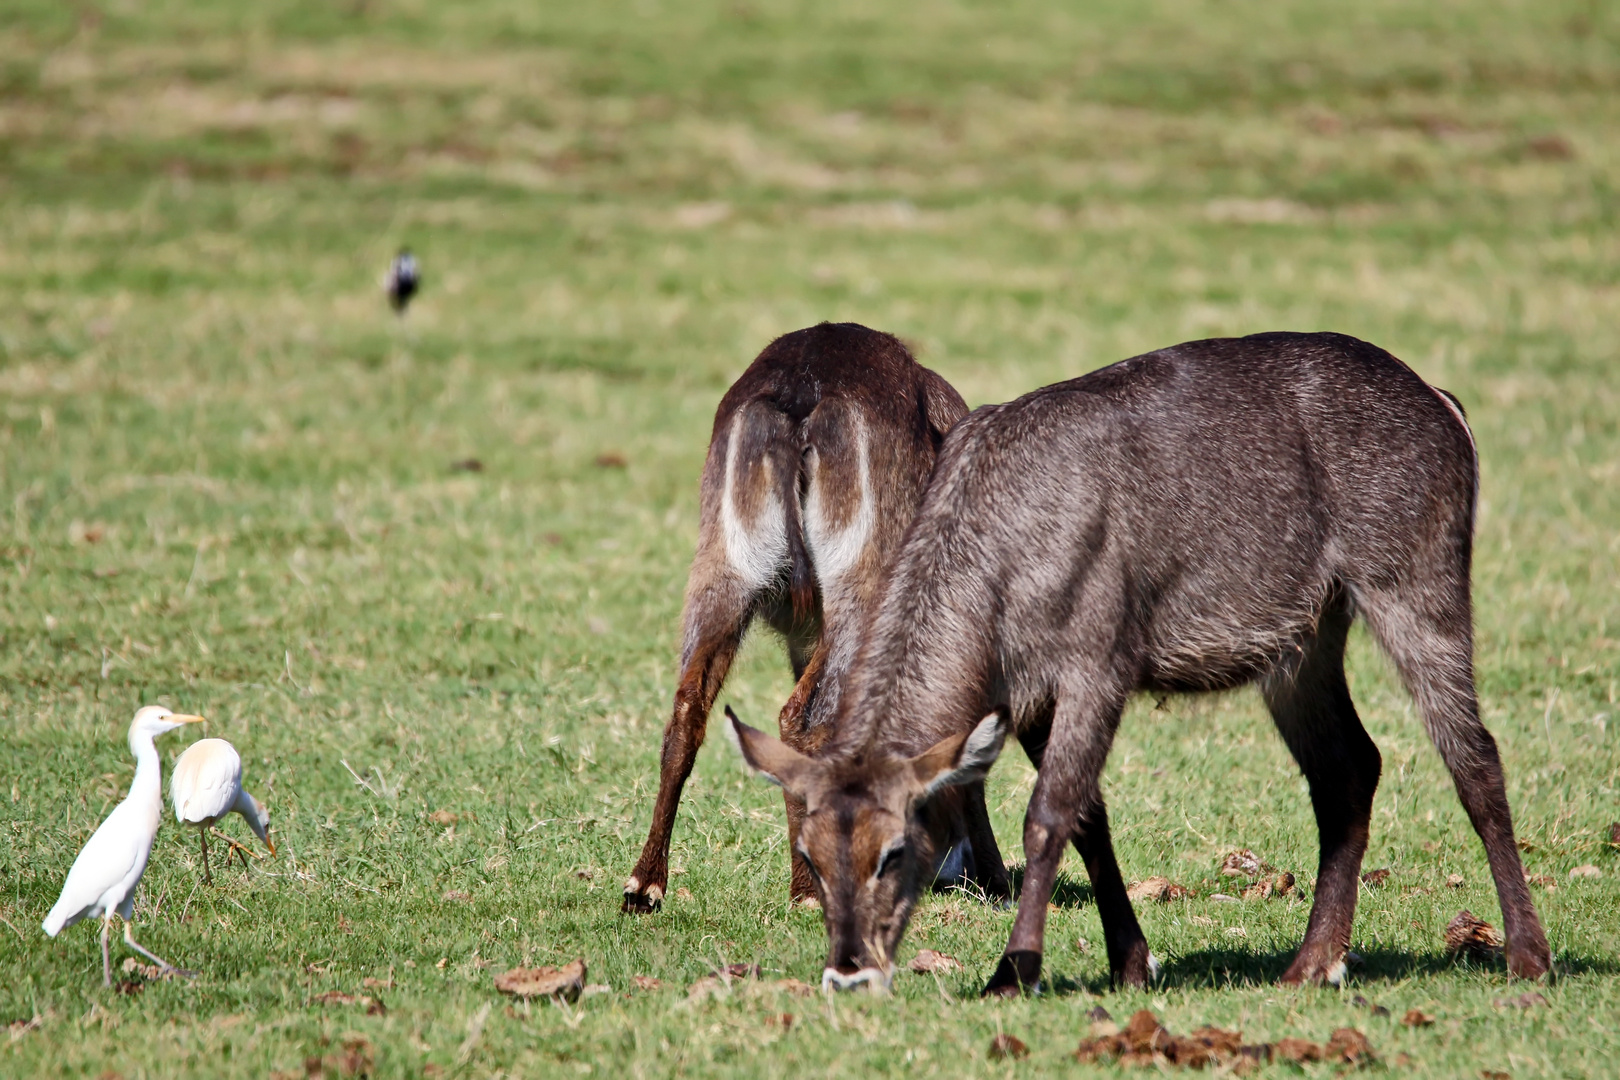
(789, 468)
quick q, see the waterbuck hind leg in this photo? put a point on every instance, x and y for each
(716, 626)
(989, 873)
(1310, 703)
(1434, 653)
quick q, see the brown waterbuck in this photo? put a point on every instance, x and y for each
(820, 454)
(1198, 518)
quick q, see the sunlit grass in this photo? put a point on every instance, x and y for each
(225, 483)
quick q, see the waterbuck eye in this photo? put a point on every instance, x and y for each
(891, 859)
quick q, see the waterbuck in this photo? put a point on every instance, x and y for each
(1194, 519)
(819, 457)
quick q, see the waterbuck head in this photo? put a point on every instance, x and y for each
(869, 835)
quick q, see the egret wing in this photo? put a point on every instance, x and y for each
(115, 851)
(206, 781)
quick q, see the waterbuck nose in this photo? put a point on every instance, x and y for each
(870, 978)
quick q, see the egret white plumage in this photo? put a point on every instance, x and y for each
(205, 786)
(102, 882)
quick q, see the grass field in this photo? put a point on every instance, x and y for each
(226, 484)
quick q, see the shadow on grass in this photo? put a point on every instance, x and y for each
(1066, 891)
(1218, 968)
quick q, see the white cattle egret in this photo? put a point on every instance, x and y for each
(103, 879)
(205, 786)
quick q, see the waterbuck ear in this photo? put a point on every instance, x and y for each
(960, 759)
(771, 758)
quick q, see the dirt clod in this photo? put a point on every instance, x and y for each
(647, 982)
(1374, 878)
(1243, 863)
(1349, 1046)
(1278, 885)
(564, 983)
(927, 961)
(1416, 1018)
(1550, 148)
(1468, 935)
(1007, 1046)
(1145, 1041)
(1161, 889)
(1527, 1000)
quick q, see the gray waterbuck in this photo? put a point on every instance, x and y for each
(1194, 519)
(819, 456)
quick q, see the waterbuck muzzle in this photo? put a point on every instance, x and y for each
(869, 836)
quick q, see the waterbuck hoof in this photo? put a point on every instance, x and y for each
(1314, 970)
(1016, 973)
(1139, 971)
(1530, 963)
(641, 901)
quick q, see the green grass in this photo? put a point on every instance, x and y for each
(225, 485)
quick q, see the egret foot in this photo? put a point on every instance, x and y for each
(165, 969)
(236, 849)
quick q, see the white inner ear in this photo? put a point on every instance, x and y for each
(734, 737)
(980, 751)
(984, 745)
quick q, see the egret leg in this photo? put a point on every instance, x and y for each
(129, 939)
(208, 877)
(237, 849)
(106, 956)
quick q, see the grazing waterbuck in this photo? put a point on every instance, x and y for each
(820, 454)
(1194, 519)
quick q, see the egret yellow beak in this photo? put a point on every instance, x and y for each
(187, 718)
(271, 844)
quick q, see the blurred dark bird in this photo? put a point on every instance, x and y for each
(403, 280)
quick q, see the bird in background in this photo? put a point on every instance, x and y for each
(102, 882)
(205, 786)
(404, 278)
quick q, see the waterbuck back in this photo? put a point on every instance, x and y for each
(1194, 519)
(819, 456)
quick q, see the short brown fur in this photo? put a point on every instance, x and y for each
(819, 456)
(1198, 518)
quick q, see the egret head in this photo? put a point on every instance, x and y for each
(153, 720)
(259, 821)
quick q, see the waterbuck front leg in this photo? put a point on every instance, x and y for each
(1130, 962)
(1310, 703)
(715, 641)
(1067, 799)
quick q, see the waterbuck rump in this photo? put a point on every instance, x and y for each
(819, 456)
(1194, 519)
